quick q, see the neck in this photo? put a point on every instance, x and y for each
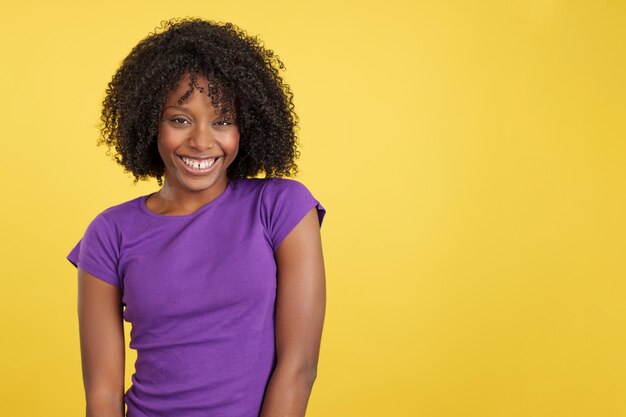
(172, 197)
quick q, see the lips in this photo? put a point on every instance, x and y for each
(199, 163)
(199, 166)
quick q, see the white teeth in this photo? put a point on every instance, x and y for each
(199, 165)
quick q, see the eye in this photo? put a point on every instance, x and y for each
(179, 120)
(224, 122)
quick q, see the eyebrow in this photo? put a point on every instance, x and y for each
(177, 107)
(185, 109)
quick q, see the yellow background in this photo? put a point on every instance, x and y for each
(472, 159)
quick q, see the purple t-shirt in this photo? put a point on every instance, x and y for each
(199, 290)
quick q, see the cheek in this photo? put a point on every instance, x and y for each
(160, 146)
(235, 146)
(165, 149)
(236, 141)
(166, 141)
(231, 144)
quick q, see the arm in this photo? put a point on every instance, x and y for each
(300, 304)
(101, 345)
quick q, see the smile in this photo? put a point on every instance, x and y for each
(194, 163)
(199, 166)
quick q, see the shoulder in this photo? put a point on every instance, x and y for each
(274, 187)
(115, 217)
(124, 208)
(268, 189)
(251, 183)
(286, 194)
(284, 203)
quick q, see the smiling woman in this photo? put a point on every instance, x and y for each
(242, 80)
(221, 274)
(197, 143)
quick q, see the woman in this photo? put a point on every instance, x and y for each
(221, 274)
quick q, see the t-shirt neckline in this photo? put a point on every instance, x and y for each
(216, 201)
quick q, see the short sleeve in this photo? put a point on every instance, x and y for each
(284, 203)
(97, 251)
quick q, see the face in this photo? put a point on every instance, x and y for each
(196, 142)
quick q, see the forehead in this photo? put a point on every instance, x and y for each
(201, 86)
(186, 86)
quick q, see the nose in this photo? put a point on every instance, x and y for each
(202, 138)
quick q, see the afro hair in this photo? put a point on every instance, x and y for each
(240, 70)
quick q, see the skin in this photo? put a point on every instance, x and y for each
(195, 128)
(192, 129)
(102, 345)
(300, 304)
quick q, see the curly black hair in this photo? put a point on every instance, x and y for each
(242, 72)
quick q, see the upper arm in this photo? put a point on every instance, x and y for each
(301, 294)
(101, 337)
